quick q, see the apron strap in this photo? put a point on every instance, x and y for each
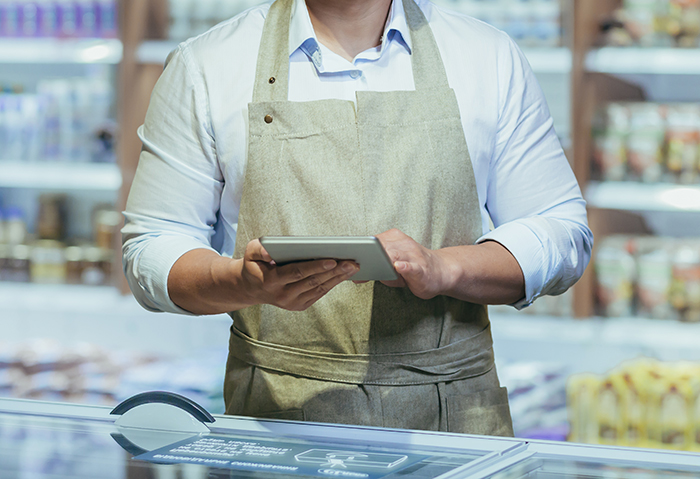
(460, 360)
(428, 69)
(272, 71)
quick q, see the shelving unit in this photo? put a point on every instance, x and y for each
(542, 60)
(596, 76)
(630, 196)
(52, 51)
(646, 61)
(594, 345)
(26, 62)
(154, 51)
(61, 176)
(103, 317)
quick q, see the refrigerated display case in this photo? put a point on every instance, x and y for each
(166, 436)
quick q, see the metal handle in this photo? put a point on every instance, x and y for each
(165, 397)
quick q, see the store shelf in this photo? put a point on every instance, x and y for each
(155, 52)
(542, 60)
(594, 344)
(61, 175)
(630, 196)
(52, 50)
(101, 315)
(549, 60)
(652, 61)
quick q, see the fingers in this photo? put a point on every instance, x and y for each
(256, 252)
(296, 272)
(299, 295)
(342, 271)
(311, 296)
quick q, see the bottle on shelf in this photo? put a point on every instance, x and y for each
(48, 255)
(58, 18)
(65, 120)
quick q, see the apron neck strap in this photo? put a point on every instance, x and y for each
(428, 69)
(272, 71)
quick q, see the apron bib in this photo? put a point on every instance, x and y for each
(364, 354)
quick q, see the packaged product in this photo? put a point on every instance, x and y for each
(616, 272)
(546, 23)
(637, 376)
(17, 264)
(683, 22)
(52, 218)
(646, 141)
(581, 393)
(640, 19)
(610, 132)
(48, 262)
(609, 410)
(685, 286)
(695, 411)
(654, 275)
(4, 260)
(683, 139)
(97, 266)
(671, 399)
(106, 225)
(74, 264)
(15, 227)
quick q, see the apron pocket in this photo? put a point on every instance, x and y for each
(288, 415)
(484, 413)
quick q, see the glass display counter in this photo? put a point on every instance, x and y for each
(58, 440)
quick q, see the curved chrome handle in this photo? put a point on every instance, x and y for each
(165, 397)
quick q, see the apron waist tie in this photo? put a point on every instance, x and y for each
(460, 360)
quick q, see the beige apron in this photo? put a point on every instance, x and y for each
(364, 354)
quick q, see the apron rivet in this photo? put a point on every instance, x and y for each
(268, 118)
(271, 80)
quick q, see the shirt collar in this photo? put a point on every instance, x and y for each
(303, 37)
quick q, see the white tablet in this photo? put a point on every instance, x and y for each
(366, 251)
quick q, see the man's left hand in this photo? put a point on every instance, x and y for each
(425, 272)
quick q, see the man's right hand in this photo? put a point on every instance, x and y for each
(203, 282)
(294, 286)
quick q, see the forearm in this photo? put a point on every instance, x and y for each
(203, 282)
(485, 273)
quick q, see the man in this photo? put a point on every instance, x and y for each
(352, 117)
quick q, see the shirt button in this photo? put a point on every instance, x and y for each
(268, 118)
(355, 74)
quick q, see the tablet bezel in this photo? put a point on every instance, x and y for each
(367, 251)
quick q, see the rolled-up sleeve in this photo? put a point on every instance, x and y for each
(175, 195)
(533, 198)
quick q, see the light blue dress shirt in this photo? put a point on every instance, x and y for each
(187, 189)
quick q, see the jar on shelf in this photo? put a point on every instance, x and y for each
(97, 266)
(4, 260)
(685, 286)
(616, 271)
(51, 223)
(74, 264)
(106, 225)
(17, 264)
(48, 262)
(15, 226)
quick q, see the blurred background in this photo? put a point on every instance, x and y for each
(615, 361)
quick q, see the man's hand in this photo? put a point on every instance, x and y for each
(485, 273)
(294, 287)
(423, 271)
(204, 282)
